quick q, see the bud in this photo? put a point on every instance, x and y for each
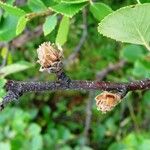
(49, 56)
(106, 101)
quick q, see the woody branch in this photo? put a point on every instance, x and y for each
(17, 88)
(51, 61)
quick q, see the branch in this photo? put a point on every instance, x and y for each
(44, 13)
(111, 67)
(17, 88)
(50, 59)
(88, 115)
(28, 35)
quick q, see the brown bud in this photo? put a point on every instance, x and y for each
(106, 101)
(48, 55)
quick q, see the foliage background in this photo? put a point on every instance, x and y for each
(56, 120)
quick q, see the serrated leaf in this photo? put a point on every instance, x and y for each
(49, 25)
(100, 10)
(36, 5)
(8, 28)
(13, 10)
(130, 24)
(68, 9)
(74, 1)
(63, 31)
(16, 67)
(21, 24)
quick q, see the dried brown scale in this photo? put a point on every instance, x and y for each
(106, 101)
(50, 57)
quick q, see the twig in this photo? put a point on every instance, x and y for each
(44, 13)
(111, 67)
(27, 36)
(50, 59)
(20, 2)
(88, 115)
(18, 88)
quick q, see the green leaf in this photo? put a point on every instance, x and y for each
(21, 24)
(36, 5)
(132, 140)
(50, 24)
(37, 142)
(10, 2)
(2, 82)
(144, 1)
(83, 147)
(146, 100)
(132, 52)
(5, 145)
(4, 52)
(74, 1)
(13, 10)
(16, 67)
(100, 10)
(8, 28)
(34, 129)
(68, 9)
(2, 93)
(64, 133)
(141, 69)
(118, 146)
(63, 31)
(1, 14)
(130, 24)
(144, 145)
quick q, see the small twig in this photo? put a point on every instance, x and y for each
(27, 36)
(111, 67)
(33, 15)
(88, 115)
(133, 116)
(62, 77)
(20, 2)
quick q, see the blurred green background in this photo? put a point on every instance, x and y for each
(59, 120)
